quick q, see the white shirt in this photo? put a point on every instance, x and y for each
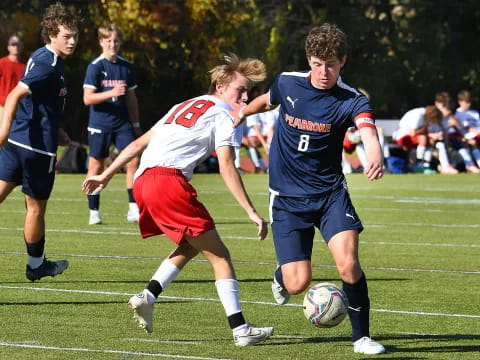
(188, 134)
(412, 120)
(264, 121)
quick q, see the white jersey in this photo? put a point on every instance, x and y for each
(188, 134)
(265, 121)
(412, 120)
(469, 119)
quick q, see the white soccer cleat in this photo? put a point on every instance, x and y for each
(95, 218)
(367, 346)
(252, 336)
(279, 293)
(133, 215)
(142, 311)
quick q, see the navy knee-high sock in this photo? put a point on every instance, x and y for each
(93, 202)
(279, 276)
(359, 308)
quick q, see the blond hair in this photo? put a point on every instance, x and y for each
(253, 69)
(104, 32)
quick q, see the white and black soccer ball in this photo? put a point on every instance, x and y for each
(325, 305)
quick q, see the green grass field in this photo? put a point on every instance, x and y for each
(420, 251)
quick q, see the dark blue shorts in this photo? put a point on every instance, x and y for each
(34, 171)
(99, 141)
(294, 221)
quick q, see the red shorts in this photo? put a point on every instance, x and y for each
(168, 205)
(409, 142)
(348, 146)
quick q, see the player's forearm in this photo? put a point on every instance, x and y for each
(257, 105)
(234, 183)
(133, 111)
(95, 98)
(127, 154)
(372, 146)
(9, 111)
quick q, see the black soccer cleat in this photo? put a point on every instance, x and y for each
(48, 268)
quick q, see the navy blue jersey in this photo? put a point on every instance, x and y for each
(102, 75)
(38, 115)
(306, 151)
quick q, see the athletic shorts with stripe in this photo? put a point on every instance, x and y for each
(31, 169)
(294, 219)
(168, 205)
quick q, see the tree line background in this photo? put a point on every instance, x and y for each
(401, 51)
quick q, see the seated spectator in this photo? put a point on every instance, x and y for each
(470, 119)
(455, 131)
(353, 143)
(259, 133)
(412, 135)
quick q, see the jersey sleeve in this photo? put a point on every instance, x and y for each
(363, 114)
(35, 74)
(225, 133)
(274, 93)
(91, 77)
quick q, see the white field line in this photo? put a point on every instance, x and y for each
(106, 351)
(269, 263)
(181, 298)
(161, 341)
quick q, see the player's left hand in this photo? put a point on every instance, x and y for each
(374, 171)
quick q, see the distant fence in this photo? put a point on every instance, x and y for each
(388, 126)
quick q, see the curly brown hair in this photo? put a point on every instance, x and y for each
(56, 15)
(253, 69)
(325, 42)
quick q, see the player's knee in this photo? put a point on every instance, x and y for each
(349, 270)
(297, 285)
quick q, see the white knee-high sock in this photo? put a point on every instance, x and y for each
(420, 152)
(254, 156)
(227, 290)
(467, 159)
(237, 156)
(427, 156)
(442, 154)
(166, 273)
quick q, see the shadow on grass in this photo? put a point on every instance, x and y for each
(181, 281)
(39, 303)
(442, 344)
(448, 347)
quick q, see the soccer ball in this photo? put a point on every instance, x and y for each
(325, 305)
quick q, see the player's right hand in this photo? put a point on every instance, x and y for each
(94, 184)
(261, 225)
(119, 89)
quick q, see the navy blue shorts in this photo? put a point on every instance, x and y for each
(99, 141)
(34, 171)
(294, 221)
